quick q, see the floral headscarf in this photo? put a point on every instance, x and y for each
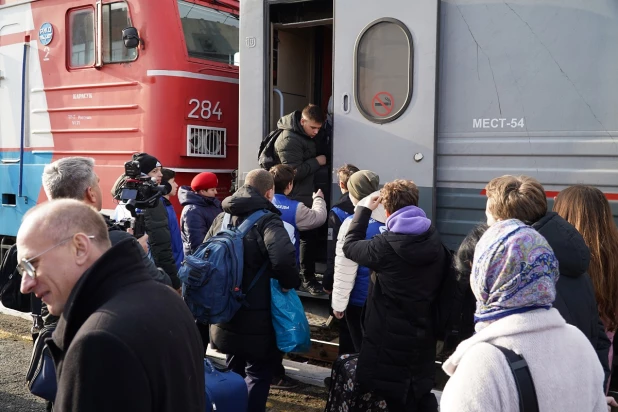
(514, 270)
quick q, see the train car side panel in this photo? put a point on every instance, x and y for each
(525, 88)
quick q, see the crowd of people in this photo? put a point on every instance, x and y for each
(542, 284)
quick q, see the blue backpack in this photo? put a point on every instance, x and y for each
(212, 276)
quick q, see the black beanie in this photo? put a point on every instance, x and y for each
(146, 162)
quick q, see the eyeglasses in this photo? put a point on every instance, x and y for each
(25, 268)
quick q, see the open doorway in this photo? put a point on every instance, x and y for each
(301, 72)
(302, 67)
(301, 57)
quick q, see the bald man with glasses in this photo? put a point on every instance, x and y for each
(123, 342)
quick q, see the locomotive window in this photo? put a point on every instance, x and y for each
(209, 34)
(82, 37)
(115, 18)
(383, 70)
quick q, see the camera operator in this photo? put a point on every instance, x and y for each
(153, 209)
(74, 178)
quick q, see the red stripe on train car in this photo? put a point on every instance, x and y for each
(552, 194)
(15, 38)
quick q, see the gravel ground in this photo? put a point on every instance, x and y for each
(304, 398)
(16, 348)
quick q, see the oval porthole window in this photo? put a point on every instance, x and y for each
(383, 62)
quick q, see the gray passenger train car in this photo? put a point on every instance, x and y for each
(448, 93)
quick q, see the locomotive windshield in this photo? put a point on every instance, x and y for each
(209, 34)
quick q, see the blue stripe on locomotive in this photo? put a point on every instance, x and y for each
(11, 213)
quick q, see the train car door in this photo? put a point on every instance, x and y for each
(385, 70)
(285, 63)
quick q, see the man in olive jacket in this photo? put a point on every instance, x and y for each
(113, 349)
(296, 147)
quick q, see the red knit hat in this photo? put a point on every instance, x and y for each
(204, 181)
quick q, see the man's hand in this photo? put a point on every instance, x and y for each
(179, 291)
(143, 241)
(321, 160)
(374, 201)
(284, 290)
(318, 194)
(338, 314)
(611, 403)
(328, 292)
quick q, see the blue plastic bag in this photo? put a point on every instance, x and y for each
(289, 320)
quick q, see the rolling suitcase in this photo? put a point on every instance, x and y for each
(344, 393)
(225, 390)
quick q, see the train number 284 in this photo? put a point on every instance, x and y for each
(204, 109)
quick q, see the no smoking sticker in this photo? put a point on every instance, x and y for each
(382, 104)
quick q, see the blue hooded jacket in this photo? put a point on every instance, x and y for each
(197, 216)
(172, 221)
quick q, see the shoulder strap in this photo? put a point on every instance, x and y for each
(251, 220)
(243, 229)
(257, 276)
(523, 380)
(225, 224)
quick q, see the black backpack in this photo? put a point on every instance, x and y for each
(267, 156)
(450, 303)
(10, 282)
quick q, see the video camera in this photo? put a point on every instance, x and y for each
(137, 191)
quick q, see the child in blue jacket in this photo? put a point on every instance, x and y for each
(200, 208)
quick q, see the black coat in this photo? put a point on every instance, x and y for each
(250, 333)
(398, 349)
(334, 224)
(160, 240)
(575, 299)
(117, 235)
(126, 343)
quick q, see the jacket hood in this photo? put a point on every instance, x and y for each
(292, 122)
(247, 200)
(568, 245)
(417, 250)
(186, 196)
(410, 220)
(379, 214)
(516, 324)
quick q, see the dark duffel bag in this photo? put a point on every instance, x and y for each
(225, 390)
(41, 376)
(345, 394)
